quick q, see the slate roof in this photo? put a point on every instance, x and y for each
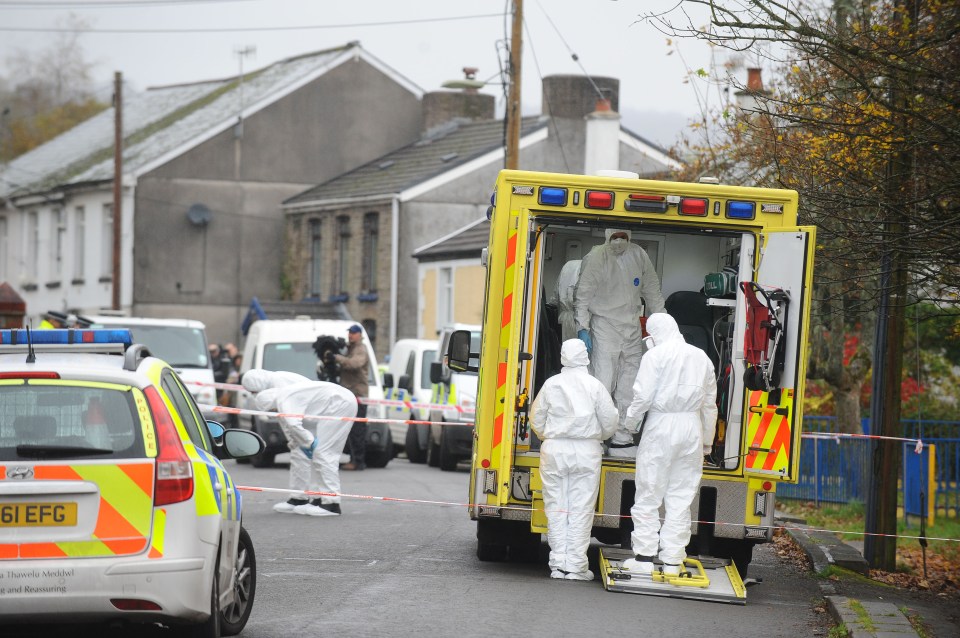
(165, 121)
(463, 243)
(436, 152)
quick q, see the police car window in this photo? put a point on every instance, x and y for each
(36, 419)
(189, 413)
(411, 365)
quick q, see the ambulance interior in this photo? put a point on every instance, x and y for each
(684, 261)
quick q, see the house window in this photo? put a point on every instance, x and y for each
(370, 325)
(371, 226)
(79, 241)
(106, 244)
(33, 245)
(316, 254)
(56, 246)
(445, 297)
(3, 248)
(343, 253)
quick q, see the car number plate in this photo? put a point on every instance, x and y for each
(38, 514)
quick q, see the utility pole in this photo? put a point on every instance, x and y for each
(513, 106)
(117, 183)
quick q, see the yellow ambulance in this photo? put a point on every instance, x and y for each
(735, 271)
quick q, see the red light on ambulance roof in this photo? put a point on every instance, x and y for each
(693, 206)
(599, 199)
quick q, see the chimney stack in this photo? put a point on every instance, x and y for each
(602, 143)
(442, 107)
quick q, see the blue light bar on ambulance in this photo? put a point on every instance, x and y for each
(551, 196)
(65, 337)
(638, 203)
(599, 199)
(740, 210)
(693, 206)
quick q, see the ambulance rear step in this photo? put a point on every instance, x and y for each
(713, 579)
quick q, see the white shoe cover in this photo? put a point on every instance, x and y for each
(635, 566)
(285, 507)
(587, 575)
(671, 570)
(313, 510)
(557, 574)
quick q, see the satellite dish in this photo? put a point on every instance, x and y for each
(199, 215)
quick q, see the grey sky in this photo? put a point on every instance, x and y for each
(655, 98)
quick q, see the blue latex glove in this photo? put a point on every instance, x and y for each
(585, 338)
(308, 451)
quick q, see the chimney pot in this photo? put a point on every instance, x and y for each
(754, 82)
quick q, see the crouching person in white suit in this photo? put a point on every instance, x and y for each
(314, 452)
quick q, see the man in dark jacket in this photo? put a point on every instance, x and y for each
(354, 375)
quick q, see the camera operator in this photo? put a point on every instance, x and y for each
(354, 375)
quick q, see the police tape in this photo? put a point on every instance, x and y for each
(532, 510)
(397, 403)
(836, 436)
(221, 409)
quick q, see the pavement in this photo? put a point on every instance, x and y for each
(869, 609)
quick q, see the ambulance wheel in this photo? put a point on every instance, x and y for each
(415, 453)
(491, 552)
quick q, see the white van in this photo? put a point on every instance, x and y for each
(182, 343)
(287, 344)
(450, 444)
(408, 379)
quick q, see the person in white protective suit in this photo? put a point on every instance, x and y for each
(566, 286)
(677, 391)
(314, 456)
(617, 284)
(572, 414)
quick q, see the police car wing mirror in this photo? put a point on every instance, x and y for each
(387, 380)
(436, 372)
(241, 444)
(216, 429)
(458, 352)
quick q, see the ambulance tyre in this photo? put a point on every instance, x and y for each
(499, 540)
(412, 444)
(739, 551)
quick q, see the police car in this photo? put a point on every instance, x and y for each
(114, 504)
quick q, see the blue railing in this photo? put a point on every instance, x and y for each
(836, 470)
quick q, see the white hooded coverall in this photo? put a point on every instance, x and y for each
(613, 292)
(284, 393)
(677, 390)
(566, 286)
(572, 415)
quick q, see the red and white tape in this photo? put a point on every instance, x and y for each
(227, 410)
(518, 508)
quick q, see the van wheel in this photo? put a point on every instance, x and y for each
(411, 443)
(433, 453)
(448, 460)
(380, 458)
(264, 459)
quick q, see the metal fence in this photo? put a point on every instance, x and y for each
(836, 470)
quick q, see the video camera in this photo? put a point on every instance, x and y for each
(327, 348)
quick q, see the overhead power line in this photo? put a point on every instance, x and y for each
(352, 25)
(103, 4)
